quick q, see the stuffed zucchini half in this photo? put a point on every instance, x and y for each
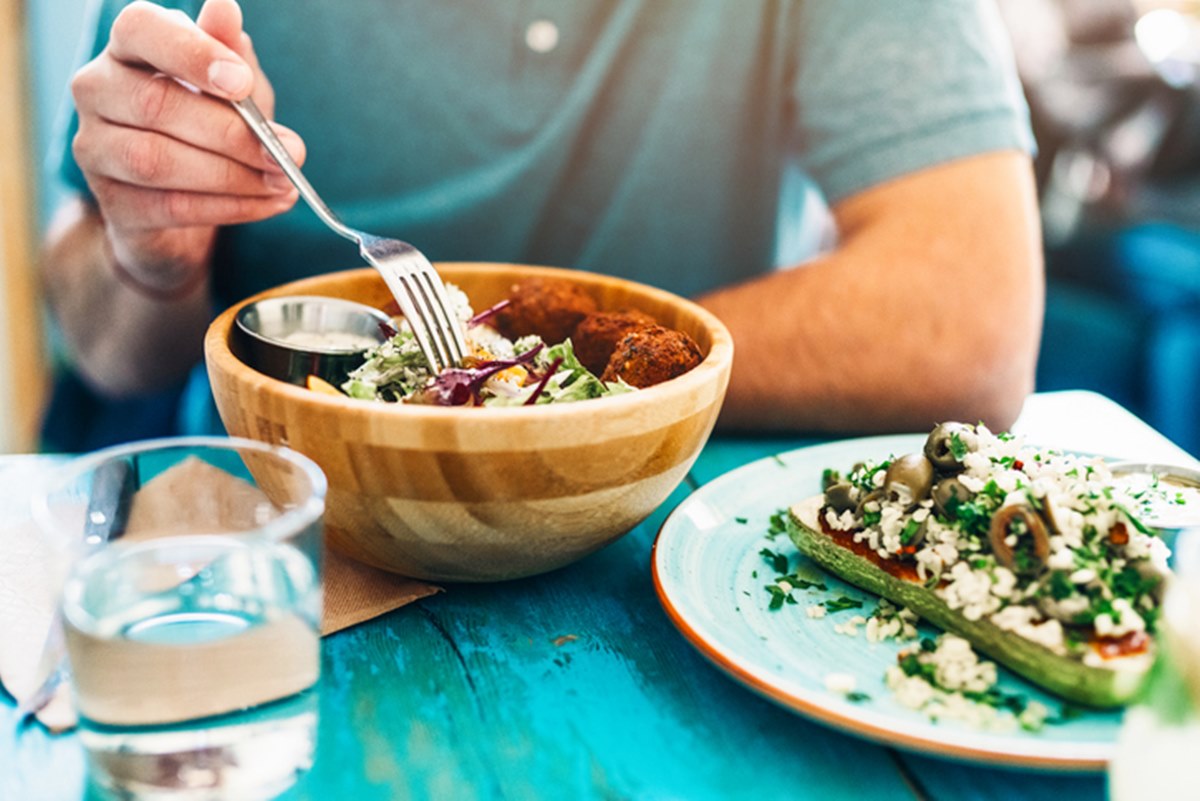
(1038, 558)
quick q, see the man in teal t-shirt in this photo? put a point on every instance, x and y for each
(650, 139)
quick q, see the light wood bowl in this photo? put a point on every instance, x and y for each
(465, 494)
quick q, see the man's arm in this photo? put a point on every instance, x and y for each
(929, 309)
(127, 270)
(122, 340)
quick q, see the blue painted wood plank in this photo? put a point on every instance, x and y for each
(945, 780)
(571, 685)
(728, 452)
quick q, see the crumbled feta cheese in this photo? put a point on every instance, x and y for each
(1004, 581)
(1093, 537)
(1125, 620)
(840, 683)
(816, 611)
(891, 622)
(1061, 559)
(1033, 717)
(969, 591)
(958, 668)
(845, 521)
(971, 483)
(910, 691)
(1084, 575)
(850, 627)
(954, 662)
(1048, 634)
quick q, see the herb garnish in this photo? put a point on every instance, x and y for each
(841, 604)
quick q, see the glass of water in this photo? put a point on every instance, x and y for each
(191, 613)
(1160, 737)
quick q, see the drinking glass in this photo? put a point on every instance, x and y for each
(1160, 737)
(191, 611)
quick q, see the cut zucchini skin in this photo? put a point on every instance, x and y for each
(1066, 676)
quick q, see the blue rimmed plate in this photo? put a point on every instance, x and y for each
(711, 579)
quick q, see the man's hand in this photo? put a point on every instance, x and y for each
(166, 156)
(168, 160)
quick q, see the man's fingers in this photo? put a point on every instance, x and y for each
(153, 160)
(169, 42)
(137, 98)
(135, 208)
(264, 93)
(222, 20)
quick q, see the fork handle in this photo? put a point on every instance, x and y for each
(250, 112)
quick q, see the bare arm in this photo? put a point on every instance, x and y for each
(930, 309)
(123, 341)
(127, 274)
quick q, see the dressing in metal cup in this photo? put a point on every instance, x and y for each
(1170, 517)
(291, 338)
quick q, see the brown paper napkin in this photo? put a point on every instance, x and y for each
(353, 592)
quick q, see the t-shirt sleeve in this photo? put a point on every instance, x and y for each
(887, 87)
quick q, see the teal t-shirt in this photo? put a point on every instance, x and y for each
(642, 138)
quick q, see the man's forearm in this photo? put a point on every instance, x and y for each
(123, 340)
(929, 310)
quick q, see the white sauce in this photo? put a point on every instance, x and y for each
(329, 340)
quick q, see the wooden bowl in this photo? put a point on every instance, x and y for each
(467, 494)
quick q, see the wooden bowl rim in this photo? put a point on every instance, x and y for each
(717, 361)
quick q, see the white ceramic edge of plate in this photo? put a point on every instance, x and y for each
(981, 747)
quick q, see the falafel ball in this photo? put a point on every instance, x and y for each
(651, 356)
(597, 335)
(547, 307)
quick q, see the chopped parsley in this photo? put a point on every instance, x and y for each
(777, 523)
(841, 604)
(829, 477)
(777, 561)
(779, 596)
(1138, 524)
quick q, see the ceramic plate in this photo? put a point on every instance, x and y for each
(711, 579)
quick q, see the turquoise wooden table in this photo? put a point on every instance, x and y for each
(576, 685)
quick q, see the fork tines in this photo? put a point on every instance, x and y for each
(422, 298)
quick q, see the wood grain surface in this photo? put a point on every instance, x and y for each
(22, 351)
(464, 494)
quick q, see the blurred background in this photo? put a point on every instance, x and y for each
(1114, 92)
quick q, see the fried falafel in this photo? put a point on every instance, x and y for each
(597, 335)
(652, 355)
(546, 307)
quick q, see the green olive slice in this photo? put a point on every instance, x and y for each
(1032, 548)
(909, 478)
(940, 445)
(839, 496)
(949, 489)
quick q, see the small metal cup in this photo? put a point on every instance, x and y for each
(1186, 479)
(263, 328)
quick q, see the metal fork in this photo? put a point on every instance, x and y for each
(414, 283)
